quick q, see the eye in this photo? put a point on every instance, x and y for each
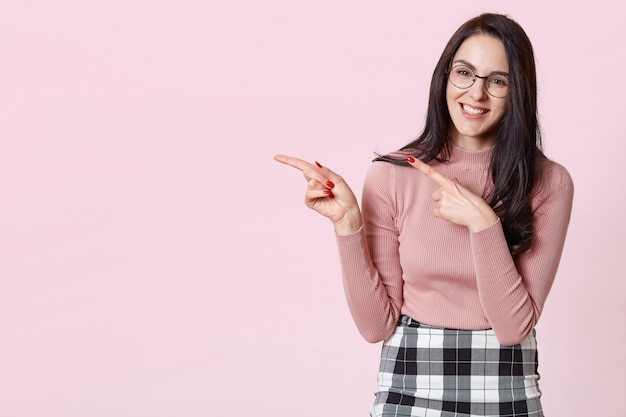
(498, 81)
(464, 72)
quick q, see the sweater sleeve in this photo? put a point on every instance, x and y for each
(513, 293)
(369, 258)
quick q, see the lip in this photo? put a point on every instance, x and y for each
(473, 116)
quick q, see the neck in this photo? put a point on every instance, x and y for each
(471, 143)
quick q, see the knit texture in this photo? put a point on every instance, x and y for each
(406, 261)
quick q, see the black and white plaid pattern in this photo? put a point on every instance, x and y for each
(434, 372)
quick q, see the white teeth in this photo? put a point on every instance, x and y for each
(472, 110)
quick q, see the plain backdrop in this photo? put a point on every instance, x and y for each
(155, 261)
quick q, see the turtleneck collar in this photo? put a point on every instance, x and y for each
(470, 160)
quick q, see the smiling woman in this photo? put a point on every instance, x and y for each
(475, 114)
(453, 252)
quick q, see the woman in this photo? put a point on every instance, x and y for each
(451, 263)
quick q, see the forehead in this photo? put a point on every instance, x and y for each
(483, 52)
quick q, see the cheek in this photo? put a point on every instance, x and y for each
(501, 112)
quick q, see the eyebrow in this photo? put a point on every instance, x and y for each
(464, 62)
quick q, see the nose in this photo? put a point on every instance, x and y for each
(478, 90)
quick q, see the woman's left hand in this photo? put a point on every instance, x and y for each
(456, 203)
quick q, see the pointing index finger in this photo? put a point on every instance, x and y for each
(429, 171)
(293, 162)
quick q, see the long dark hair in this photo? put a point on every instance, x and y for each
(517, 158)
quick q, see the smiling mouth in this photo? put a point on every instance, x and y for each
(473, 111)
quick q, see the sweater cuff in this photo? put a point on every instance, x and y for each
(352, 235)
(353, 243)
(494, 228)
(490, 248)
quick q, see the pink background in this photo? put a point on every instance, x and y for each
(155, 260)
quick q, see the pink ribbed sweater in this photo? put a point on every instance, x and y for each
(406, 261)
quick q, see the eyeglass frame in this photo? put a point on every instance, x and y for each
(482, 77)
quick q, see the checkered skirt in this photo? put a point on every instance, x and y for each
(434, 372)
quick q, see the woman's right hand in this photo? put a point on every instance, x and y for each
(328, 194)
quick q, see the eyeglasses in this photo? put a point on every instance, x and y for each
(463, 77)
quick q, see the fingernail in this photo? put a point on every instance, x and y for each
(330, 184)
(410, 159)
(318, 164)
(329, 193)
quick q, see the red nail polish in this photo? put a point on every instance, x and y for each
(318, 164)
(329, 193)
(410, 159)
(330, 184)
